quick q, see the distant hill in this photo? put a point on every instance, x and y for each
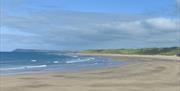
(36, 50)
(142, 51)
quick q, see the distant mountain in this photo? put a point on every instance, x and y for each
(37, 50)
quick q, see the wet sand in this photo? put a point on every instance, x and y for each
(141, 74)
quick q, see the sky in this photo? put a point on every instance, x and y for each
(88, 24)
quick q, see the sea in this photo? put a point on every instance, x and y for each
(15, 63)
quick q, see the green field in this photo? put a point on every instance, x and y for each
(142, 51)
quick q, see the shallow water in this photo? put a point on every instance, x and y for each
(12, 63)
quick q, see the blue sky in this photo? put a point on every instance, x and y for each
(88, 24)
(115, 6)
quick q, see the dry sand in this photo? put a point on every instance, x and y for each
(143, 74)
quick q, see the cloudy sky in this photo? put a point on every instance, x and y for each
(88, 24)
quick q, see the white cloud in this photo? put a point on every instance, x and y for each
(162, 23)
(125, 26)
(79, 30)
(15, 32)
(144, 26)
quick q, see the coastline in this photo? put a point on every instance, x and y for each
(132, 56)
(149, 73)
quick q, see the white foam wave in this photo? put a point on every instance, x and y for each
(33, 60)
(37, 66)
(16, 68)
(55, 62)
(75, 56)
(23, 67)
(79, 60)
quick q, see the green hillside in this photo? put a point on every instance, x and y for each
(142, 51)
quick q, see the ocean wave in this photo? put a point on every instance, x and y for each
(33, 60)
(23, 67)
(55, 62)
(79, 60)
(75, 56)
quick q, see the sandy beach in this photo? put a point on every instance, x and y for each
(143, 73)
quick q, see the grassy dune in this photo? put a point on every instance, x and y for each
(142, 51)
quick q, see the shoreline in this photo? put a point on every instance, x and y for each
(147, 74)
(132, 56)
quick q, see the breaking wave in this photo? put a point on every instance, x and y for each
(79, 60)
(23, 67)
